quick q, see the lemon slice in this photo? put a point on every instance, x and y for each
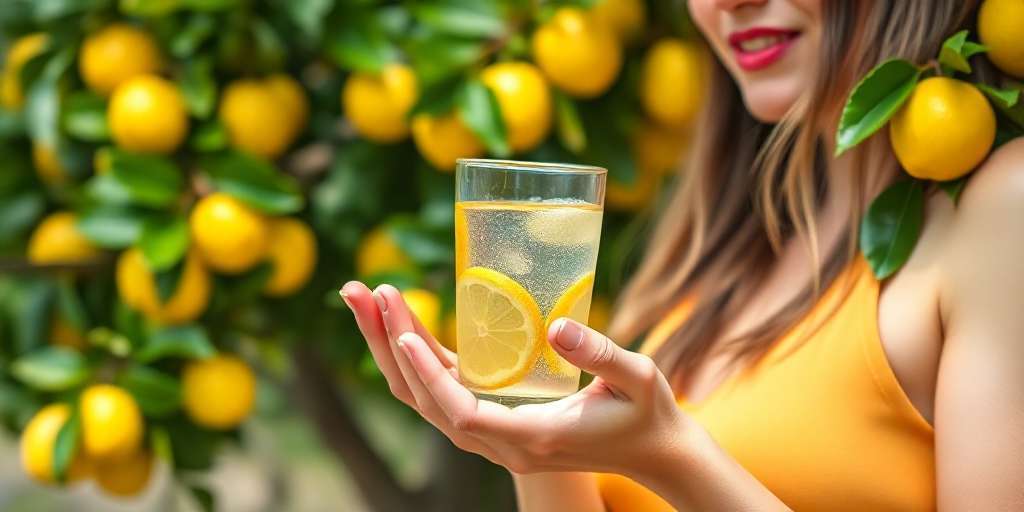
(500, 328)
(461, 239)
(575, 304)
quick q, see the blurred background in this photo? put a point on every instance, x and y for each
(185, 184)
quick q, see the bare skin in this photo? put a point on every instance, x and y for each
(950, 323)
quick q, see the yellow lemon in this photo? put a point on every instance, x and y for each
(660, 148)
(231, 236)
(137, 287)
(426, 305)
(379, 253)
(578, 55)
(671, 82)
(47, 165)
(63, 334)
(292, 252)
(116, 53)
(147, 114)
(636, 196)
(574, 303)
(218, 392)
(23, 49)
(501, 331)
(944, 130)
(125, 478)
(624, 17)
(57, 240)
(111, 423)
(256, 119)
(1000, 24)
(37, 442)
(290, 94)
(524, 99)
(377, 104)
(445, 139)
(451, 329)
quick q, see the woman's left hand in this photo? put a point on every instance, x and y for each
(625, 421)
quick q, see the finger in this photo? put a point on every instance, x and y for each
(402, 320)
(371, 324)
(398, 321)
(465, 412)
(627, 373)
(447, 357)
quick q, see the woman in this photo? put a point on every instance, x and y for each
(786, 375)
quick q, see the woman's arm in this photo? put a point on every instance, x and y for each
(557, 492)
(979, 403)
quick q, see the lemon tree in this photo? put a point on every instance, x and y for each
(187, 183)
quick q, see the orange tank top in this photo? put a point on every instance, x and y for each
(823, 424)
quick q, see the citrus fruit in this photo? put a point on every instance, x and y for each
(292, 252)
(600, 314)
(125, 478)
(37, 442)
(47, 165)
(624, 17)
(63, 334)
(574, 303)
(671, 82)
(944, 130)
(218, 392)
(451, 330)
(578, 55)
(524, 100)
(999, 28)
(461, 239)
(256, 119)
(502, 332)
(111, 423)
(147, 114)
(377, 103)
(116, 53)
(634, 196)
(231, 236)
(426, 305)
(23, 49)
(445, 139)
(378, 253)
(57, 240)
(137, 287)
(660, 148)
(293, 100)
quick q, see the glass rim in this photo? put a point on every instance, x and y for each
(538, 167)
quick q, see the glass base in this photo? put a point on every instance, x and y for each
(513, 400)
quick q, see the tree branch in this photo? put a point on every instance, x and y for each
(331, 412)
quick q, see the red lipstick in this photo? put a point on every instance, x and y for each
(760, 47)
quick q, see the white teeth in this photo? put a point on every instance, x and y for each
(760, 43)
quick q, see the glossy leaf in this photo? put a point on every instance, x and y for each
(956, 50)
(479, 109)
(254, 181)
(570, 127)
(85, 117)
(185, 341)
(472, 19)
(111, 227)
(157, 393)
(891, 226)
(1007, 102)
(875, 99)
(66, 445)
(164, 241)
(51, 369)
(198, 87)
(167, 280)
(151, 180)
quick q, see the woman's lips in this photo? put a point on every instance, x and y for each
(761, 47)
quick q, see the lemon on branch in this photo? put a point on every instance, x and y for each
(111, 423)
(23, 49)
(37, 443)
(671, 82)
(445, 139)
(377, 103)
(147, 114)
(218, 392)
(125, 478)
(292, 99)
(231, 236)
(57, 240)
(115, 53)
(524, 100)
(292, 252)
(47, 164)
(426, 306)
(136, 286)
(257, 117)
(624, 17)
(1001, 30)
(378, 253)
(578, 55)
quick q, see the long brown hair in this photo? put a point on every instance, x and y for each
(748, 186)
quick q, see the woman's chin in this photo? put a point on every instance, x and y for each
(769, 105)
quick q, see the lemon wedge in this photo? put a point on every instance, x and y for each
(500, 329)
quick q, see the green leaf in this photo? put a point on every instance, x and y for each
(875, 99)
(952, 56)
(423, 246)
(42, 102)
(209, 136)
(157, 393)
(307, 15)
(953, 188)
(164, 241)
(471, 19)
(185, 341)
(891, 226)
(204, 498)
(66, 445)
(198, 87)
(167, 280)
(51, 369)
(438, 57)
(570, 127)
(104, 188)
(360, 45)
(70, 306)
(437, 99)
(197, 29)
(111, 227)
(1007, 101)
(192, 447)
(479, 109)
(19, 213)
(150, 180)
(85, 117)
(254, 181)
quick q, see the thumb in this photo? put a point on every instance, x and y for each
(626, 372)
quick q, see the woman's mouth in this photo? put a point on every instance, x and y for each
(761, 47)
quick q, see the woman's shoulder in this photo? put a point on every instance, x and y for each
(999, 182)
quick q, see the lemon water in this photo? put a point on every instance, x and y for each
(547, 247)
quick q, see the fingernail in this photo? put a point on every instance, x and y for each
(569, 336)
(403, 343)
(381, 302)
(344, 298)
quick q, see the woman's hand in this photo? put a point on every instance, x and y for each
(625, 421)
